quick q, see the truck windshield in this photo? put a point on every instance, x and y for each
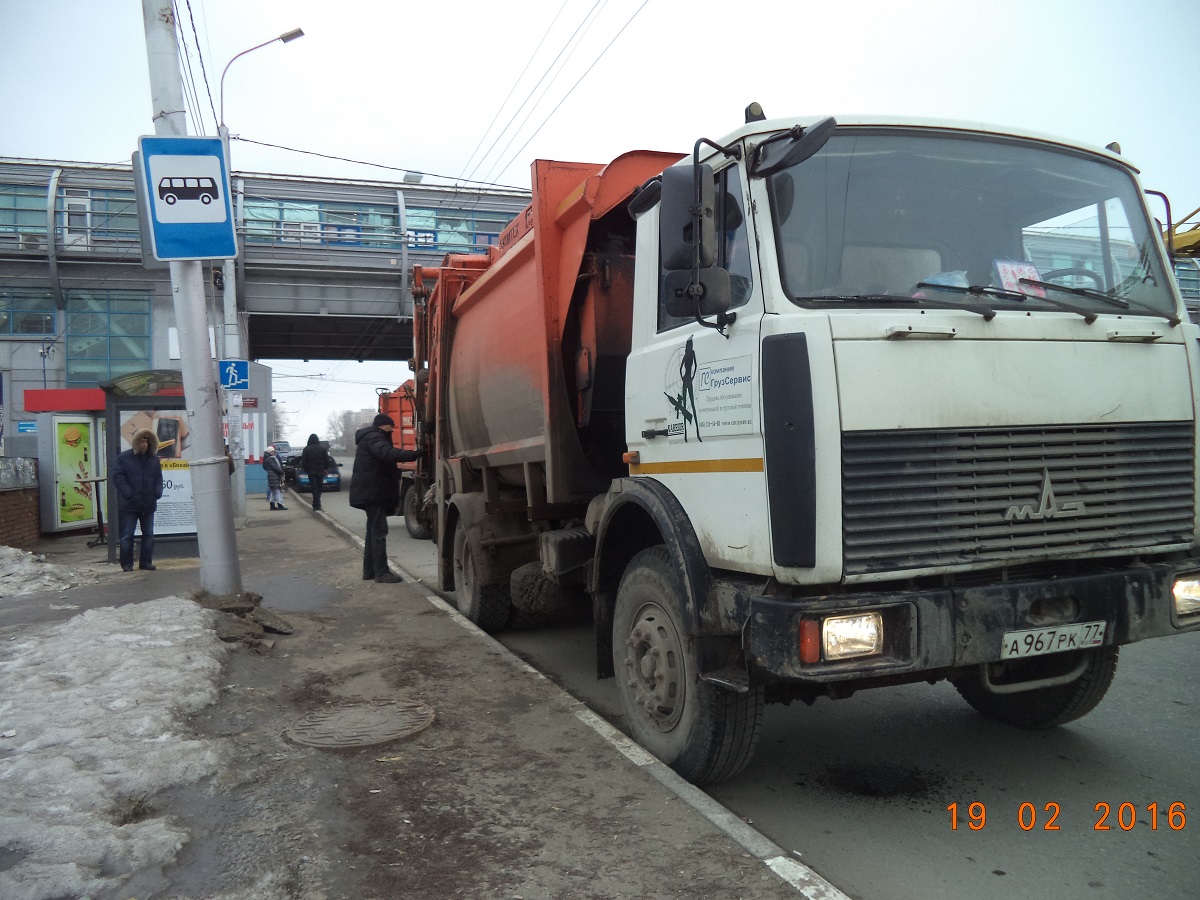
(903, 215)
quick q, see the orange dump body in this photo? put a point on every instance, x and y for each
(400, 404)
(520, 354)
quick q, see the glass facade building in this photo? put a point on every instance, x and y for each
(320, 271)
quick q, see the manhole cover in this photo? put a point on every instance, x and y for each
(361, 723)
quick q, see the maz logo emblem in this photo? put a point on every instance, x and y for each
(1047, 508)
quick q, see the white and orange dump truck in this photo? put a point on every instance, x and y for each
(821, 406)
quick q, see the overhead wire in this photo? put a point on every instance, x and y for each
(520, 149)
(203, 69)
(361, 162)
(511, 90)
(587, 18)
(575, 43)
(192, 106)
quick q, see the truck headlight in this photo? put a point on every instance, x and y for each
(845, 637)
(1187, 596)
(841, 637)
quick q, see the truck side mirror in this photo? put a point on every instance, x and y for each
(790, 148)
(713, 287)
(677, 240)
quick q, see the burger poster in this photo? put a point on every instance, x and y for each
(74, 465)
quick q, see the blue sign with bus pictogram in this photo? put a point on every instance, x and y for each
(186, 199)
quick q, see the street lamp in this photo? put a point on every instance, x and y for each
(231, 341)
(287, 37)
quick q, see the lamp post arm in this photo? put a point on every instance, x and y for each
(230, 63)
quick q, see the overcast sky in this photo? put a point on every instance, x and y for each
(414, 86)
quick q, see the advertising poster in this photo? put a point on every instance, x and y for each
(74, 467)
(176, 513)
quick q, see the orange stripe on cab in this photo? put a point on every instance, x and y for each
(696, 466)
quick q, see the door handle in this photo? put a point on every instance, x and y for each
(651, 433)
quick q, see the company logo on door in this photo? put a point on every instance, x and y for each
(708, 399)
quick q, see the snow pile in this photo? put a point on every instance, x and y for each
(89, 727)
(22, 572)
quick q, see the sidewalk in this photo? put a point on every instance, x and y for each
(515, 791)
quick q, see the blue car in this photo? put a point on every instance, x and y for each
(333, 479)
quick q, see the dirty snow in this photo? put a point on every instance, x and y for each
(22, 572)
(90, 724)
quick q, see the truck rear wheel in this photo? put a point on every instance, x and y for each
(417, 527)
(487, 605)
(704, 732)
(1049, 706)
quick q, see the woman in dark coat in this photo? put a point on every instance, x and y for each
(274, 478)
(137, 477)
(316, 461)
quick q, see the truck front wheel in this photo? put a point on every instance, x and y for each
(417, 527)
(487, 605)
(1048, 706)
(704, 732)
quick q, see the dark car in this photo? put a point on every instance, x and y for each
(291, 462)
(333, 478)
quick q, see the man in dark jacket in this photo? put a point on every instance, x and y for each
(316, 461)
(375, 489)
(137, 477)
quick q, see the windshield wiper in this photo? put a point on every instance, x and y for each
(987, 312)
(973, 289)
(1103, 298)
(1088, 315)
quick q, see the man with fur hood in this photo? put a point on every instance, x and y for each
(375, 489)
(137, 477)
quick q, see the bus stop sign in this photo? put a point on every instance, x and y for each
(184, 185)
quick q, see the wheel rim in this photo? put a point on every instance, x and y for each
(654, 666)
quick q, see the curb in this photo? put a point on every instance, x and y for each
(785, 865)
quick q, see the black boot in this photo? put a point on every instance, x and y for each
(274, 506)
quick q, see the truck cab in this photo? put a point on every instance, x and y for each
(928, 282)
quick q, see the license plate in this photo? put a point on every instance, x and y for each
(1038, 641)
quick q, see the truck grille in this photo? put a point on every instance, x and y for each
(919, 499)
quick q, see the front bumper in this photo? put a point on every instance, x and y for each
(944, 629)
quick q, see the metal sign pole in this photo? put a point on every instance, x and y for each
(220, 567)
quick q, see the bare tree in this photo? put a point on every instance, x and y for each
(283, 422)
(335, 426)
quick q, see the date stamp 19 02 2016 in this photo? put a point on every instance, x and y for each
(1108, 816)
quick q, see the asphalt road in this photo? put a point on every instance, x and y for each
(868, 790)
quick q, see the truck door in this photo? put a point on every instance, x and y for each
(692, 396)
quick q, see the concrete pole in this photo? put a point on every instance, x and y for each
(220, 567)
(232, 349)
